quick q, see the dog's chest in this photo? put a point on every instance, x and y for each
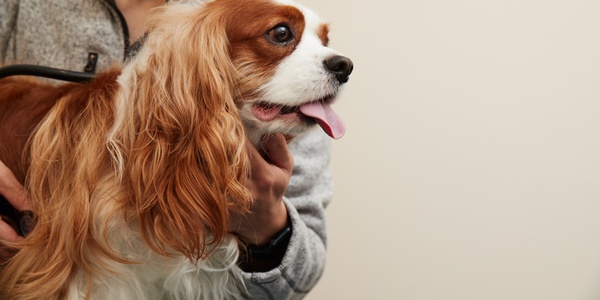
(166, 278)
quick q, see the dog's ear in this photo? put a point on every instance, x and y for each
(187, 162)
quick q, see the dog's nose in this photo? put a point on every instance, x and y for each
(340, 66)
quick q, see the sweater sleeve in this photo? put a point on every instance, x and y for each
(309, 192)
(8, 17)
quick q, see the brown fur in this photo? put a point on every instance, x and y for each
(324, 34)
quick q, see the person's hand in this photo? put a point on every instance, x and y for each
(269, 177)
(15, 194)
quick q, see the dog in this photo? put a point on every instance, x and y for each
(132, 175)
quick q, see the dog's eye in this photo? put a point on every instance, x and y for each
(280, 34)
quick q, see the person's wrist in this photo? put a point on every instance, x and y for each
(270, 223)
(267, 257)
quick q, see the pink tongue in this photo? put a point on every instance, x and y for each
(326, 117)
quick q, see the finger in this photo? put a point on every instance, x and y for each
(260, 163)
(278, 153)
(12, 190)
(7, 233)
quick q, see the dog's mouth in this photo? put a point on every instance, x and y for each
(319, 111)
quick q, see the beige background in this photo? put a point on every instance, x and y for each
(471, 164)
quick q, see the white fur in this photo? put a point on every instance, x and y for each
(157, 277)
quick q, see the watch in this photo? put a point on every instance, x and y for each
(279, 241)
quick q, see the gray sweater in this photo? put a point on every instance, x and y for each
(62, 33)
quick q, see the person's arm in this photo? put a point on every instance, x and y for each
(8, 17)
(270, 172)
(309, 192)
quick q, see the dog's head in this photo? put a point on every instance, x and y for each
(289, 77)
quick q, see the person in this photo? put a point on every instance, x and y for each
(291, 184)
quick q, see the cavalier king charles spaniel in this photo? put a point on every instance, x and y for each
(133, 175)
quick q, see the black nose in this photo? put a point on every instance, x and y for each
(340, 66)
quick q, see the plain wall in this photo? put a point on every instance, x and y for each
(471, 164)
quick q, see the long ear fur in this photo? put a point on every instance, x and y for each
(182, 138)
